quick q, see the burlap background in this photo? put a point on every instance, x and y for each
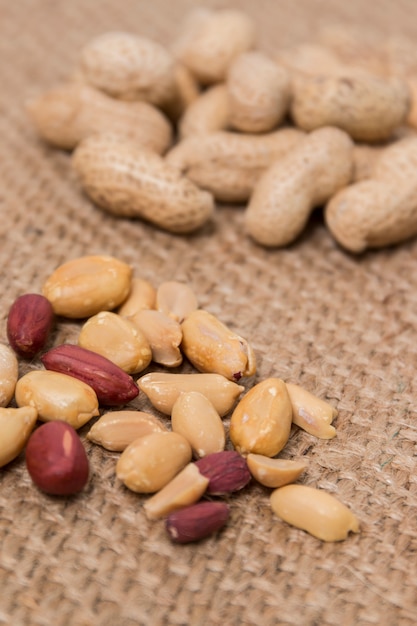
(343, 327)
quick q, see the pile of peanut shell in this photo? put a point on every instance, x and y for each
(165, 133)
(186, 462)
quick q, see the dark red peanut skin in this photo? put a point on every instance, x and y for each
(227, 472)
(112, 385)
(197, 521)
(29, 324)
(56, 459)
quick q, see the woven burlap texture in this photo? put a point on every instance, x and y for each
(344, 327)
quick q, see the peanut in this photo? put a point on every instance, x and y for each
(57, 396)
(56, 459)
(274, 472)
(86, 285)
(311, 413)
(9, 372)
(259, 93)
(315, 511)
(213, 348)
(16, 426)
(210, 39)
(176, 299)
(194, 417)
(261, 422)
(29, 324)
(117, 339)
(65, 115)
(129, 67)
(142, 295)
(112, 385)
(129, 181)
(117, 429)
(381, 211)
(151, 461)
(309, 59)
(226, 470)
(163, 334)
(186, 91)
(230, 164)
(184, 489)
(163, 389)
(369, 108)
(355, 47)
(207, 113)
(197, 521)
(310, 173)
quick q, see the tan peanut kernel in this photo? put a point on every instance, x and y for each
(184, 489)
(129, 67)
(57, 396)
(195, 418)
(176, 299)
(212, 347)
(163, 334)
(65, 115)
(163, 389)
(150, 462)
(311, 413)
(118, 339)
(142, 295)
(261, 422)
(9, 372)
(315, 511)
(274, 472)
(16, 426)
(86, 285)
(128, 180)
(117, 429)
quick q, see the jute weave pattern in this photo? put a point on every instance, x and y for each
(343, 327)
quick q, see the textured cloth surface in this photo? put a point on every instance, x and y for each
(344, 327)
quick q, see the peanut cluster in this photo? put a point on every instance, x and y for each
(213, 118)
(180, 461)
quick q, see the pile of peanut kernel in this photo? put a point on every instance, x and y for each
(184, 462)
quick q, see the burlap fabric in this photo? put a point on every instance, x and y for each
(341, 326)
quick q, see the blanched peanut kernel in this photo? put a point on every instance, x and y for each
(175, 299)
(9, 372)
(57, 396)
(117, 429)
(163, 334)
(184, 489)
(315, 511)
(274, 472)
(311, 413)
(86, 285)
(16, 426)
(118, 339)
(163, 389)
(261, 422)
(142, 295)
(212, 347)
(195, 418)
(150, 462)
